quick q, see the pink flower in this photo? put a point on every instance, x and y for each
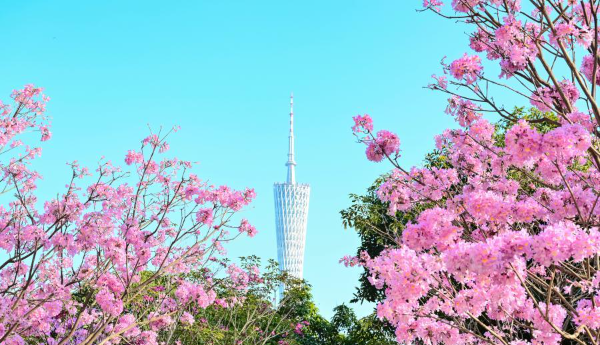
(46, 134)
(465, 111)
(247, 228)
(134, 157)
(441, 82)
(436, 5)
(588, 313)
(187, 318)
(148, 338)
(513, 43)
(523, 144)
(109, 303)
(205, 216)
(349, 261)
(465, 5)
(544, 98)
(164, 147)
(434, 228)
(566, 142)
(125, 324)
(587, 68)
(385, 144)
(467, 68)
(102, 235)
(362, 124)
(498, 214)
(299, 326)
(158, 322)
(568, 32)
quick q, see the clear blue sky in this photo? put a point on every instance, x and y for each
(223, 70)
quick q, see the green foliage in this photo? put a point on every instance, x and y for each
(344, 328)
(344, 318)
(256, 319)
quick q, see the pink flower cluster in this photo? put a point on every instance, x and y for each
(299, 326)
(386, 144)
(467, 68)
(512, 43)
(191, 292)
(402, 190)
(589, 313)
(362, 124)
(504, 241)
(464, 111)
(587, 68)
(434, 228)
(383, 144)
(568, 32)
(484, 233)
(549, 98)
(71, 271)
(247, 228)
(434, 4)
(466, 5)
(349, 261)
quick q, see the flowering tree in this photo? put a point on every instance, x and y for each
(71, 270)
(245, 312)
(506, 250)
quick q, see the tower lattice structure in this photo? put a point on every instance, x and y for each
(291, 214)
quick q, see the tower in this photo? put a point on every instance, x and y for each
(291, 213)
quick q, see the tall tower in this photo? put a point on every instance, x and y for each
(291, 213)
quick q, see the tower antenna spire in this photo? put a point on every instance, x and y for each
(291, 163)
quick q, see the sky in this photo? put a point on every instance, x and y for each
(223, 71)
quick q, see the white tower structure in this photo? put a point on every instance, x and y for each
(291, 214)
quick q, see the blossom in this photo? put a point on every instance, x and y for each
(436, 5)
(349, 261)
(441, 82)
(126, 325)
(134, 157)
(580, 118)
(187, 318)
(465, 5)
(109, 303)
(512, 42)
(246, 227)
(164, 147)
(523, 144)
(587, 68)
(362, 124)
(544, 98)
(46, 134)
(158, 322)
(77, 258)
(494, 236)
(396, 192)
(465, 111)
(467, 68)
(189, 292)
(385, 144)
(567, 141)
(148, 338)
(588, 313)
(434, 228)
(205, 216)
(567, 32)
